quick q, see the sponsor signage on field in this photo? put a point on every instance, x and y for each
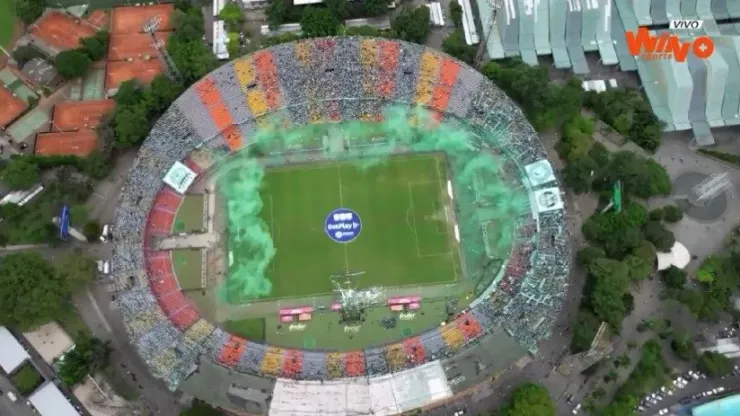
(343, 225)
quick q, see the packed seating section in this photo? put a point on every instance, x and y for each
(356, 79)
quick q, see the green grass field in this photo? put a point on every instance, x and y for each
(7, 21)
(405, 238)
(189, 218)
(252, 329)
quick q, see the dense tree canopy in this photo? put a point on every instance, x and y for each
(317, 22)
(456, 14)
(617, 233)
(21, 173)
(29, 10)
(529, 399)
(610, 282)
(232, 15)
(584, 331)
(95, 47)
(201, 409)
(32, 292)
(673, 277)
(661, 237)
(72, 63)
(588, 254)
(455, 45)
(88, 356)
(640, 177)
(412, 24)
(715, 364)
(627, 111)
(673, 213)
(192, 56)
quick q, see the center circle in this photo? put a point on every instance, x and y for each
(343, 225)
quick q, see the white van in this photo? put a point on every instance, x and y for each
(100, 265)
(104, 235)
(12, 397)
(106, 267)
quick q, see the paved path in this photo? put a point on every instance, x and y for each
(188, 241)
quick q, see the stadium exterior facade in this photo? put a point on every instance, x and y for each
(693, 95)
(330, 80)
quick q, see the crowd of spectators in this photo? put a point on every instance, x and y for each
(329, 79)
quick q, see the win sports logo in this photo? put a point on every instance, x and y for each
(668, 45)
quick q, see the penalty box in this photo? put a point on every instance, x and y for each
(403, 205)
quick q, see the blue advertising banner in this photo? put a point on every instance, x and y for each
(343, 225)
(64, 223)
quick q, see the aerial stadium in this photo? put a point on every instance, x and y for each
(340, 225)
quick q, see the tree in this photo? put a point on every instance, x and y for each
(24, 53)
(92, 231)
(376, 7)
(577, 175)
(193, 58)
(455, 45)
(673, 277)
(276, 12)
(639, 269)
(456, 14)
(318, 22)
(88, 356)
(231, 14)
(646, 251)
(673, 213)
(657, 234)
(29, 10)
(609, 281)
(21, 173)
(200, 409)
(588, 254)
(412, 24)
(641, 177)
(131, 126)
(617, 233)
(657, 214)
(72, 63)
(682, 346)
(715, 364)
(529, 399)
(32, 292)
(709, 270)
(584, 331)
(96, 46)
(338, 8)
(161, 94)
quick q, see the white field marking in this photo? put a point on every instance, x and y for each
(273, 232)
(341, 205)
(416, 232)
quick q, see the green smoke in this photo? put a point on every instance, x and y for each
(479, 186)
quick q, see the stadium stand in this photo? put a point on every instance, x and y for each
(356, 79)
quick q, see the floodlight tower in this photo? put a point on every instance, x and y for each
(483, 44)
(150, 27)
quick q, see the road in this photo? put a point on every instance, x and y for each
(731, 384)
(7, 407)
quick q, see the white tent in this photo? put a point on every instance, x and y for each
(12, 353)
(679, 256)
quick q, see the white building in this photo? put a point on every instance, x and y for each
(12, 353)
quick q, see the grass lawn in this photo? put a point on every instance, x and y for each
(27, 379)
(187, 264)
(251, 329)
(189, 218)
(7, 19)
(70, 320)
(405, 237)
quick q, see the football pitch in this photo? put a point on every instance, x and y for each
(407, 232)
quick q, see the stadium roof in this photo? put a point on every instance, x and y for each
(693, 95)
(385, 395)
(49, 401)
(78, 143)
(12, 353)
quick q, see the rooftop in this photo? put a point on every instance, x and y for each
(49, 401)
(12, 353)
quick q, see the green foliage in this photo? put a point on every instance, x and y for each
(88, 356)
(641, 177)
(318, 22)
(662, 238)
(546, 105)
(639, 269)
(232, 15)
(456, 14)
(616, 233)
(412, 24)
(366, 31)
(649, 374)
(96, 46)
(529, 399)
(338, 8)
(682, 346)
(201, 409)
(72, 63)
(709, 270)
(726, 157)
(92, 231)
(21, 173)
(584, 331)
(657, 214)
(577, 175)
(588, 254)
(27, 379)
(455, 46)
(646, 251)
(673, 277)
(138, 107)
(277, 12)
(609, 283)
(577, 139)
(29, 10)
(192, 56)
(627, 111)
(673, 213)
(715, 364)
(375, 8)
(32, 291)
